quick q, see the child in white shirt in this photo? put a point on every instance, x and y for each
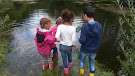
(66, 34)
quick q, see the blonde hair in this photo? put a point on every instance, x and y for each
(44, 21)
(59, 21)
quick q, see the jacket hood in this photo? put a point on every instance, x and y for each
(48, 37)
(41, 32)
(92, 29)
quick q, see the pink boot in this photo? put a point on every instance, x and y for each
(55, 55)
(66, 70)
(69, 64)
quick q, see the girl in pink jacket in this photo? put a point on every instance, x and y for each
(54, 30)
(45, 42)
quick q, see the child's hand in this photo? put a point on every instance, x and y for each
(74, 47)
(58, 40)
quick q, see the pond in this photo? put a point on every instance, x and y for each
(24, 60)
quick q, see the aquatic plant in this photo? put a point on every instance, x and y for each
(127, 44)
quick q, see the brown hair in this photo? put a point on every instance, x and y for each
(44, 21)
(67, 15)
(59, 21)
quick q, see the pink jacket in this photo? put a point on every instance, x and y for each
(54, 30)
(44, 48)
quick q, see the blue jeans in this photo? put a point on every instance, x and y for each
(91, 61)
(66, 52)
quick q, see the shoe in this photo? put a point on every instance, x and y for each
(69, 64)
(55, 55)
(66, 70)
(44, 66)
(91, 74)
(81, 71)
(50, 66)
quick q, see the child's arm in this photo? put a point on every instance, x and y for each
(74, 39)
(74, 47)
(52, 30)
(82, 38)
(57, 40)
(58, 33)
(52, 40)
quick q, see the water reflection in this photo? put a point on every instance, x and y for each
(24, 58)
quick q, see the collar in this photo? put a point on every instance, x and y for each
(92, 22)
(43, 30)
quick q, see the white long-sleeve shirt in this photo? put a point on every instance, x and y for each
(66, 34)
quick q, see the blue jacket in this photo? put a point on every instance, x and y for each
(91, 35)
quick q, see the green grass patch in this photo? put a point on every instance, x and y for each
(5, 30)
(100, 71)
(75, 69)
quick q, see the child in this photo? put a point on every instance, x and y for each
(66, 34)
(53, 30)
(45, 41)
(91, 34)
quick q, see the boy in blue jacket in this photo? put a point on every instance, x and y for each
(91, 34)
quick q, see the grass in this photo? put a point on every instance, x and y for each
(75, 70)
(5, 29)
(2, 54)
(100, 71)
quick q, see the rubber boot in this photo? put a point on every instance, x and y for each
(69, 64)
(81, 71)
(50, 66)
(55, 55)
(66, 70)
(44, 66)
(91, 74)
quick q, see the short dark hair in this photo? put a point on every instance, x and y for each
(66, 15)
(44, 21)
(89, 11)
